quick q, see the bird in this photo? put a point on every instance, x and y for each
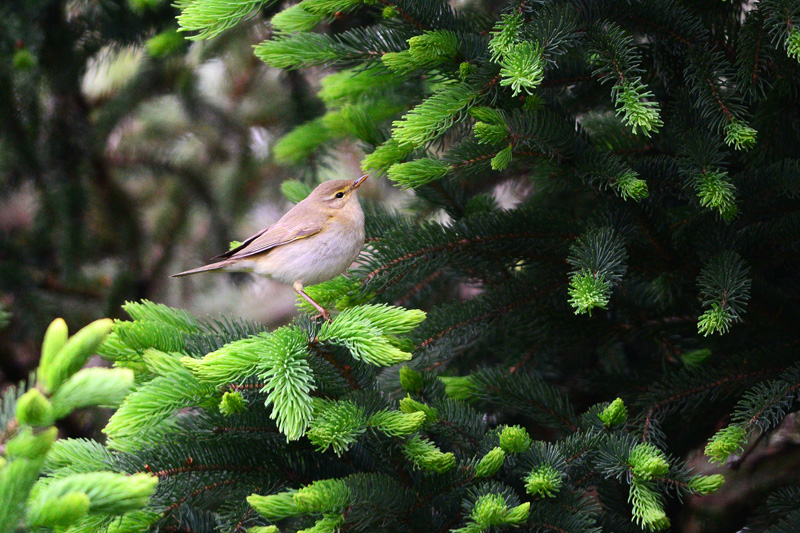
(313, 242)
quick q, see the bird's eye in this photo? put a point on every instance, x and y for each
(339, 194)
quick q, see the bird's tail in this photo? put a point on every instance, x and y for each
(213, 266)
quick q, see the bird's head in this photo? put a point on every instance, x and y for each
(336, 194)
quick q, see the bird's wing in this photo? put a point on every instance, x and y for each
(286, 230)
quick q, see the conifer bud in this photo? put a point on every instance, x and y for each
(426, 456)
(26, 445)
(410, 379)
(490, 510)
(396, 424)
(727, 441)
(62, 512)
(740, 135)
(706, 484)
(418, 172)
(793, 44)
(54, 339)
(323, 496)
(502, 159)
(410, 405)
(631, 186)
(327, 524)
(74, 354)
(274, 506)
(518, 515)
(33, 409)
(514, 439)
(263, 529)
(232, 403)
(490, 133)
(544, 481)
(588, 291)
(648, 461)
(490, 463)
(458, 387)
(615, 414)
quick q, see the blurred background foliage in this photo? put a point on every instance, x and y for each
(128, 153)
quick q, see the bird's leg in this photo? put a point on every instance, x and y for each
(298, 287)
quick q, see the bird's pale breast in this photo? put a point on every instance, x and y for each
(316, 258)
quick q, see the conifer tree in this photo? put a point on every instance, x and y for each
(639, 303)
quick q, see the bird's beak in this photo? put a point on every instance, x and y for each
(357, 183)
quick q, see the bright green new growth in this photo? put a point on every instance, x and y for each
(632, 100)
(458, 387)
(588, 291)
(629, 185)
(515, 439)
(349, 85)
(715, 191)
(427, 456)
(647, 462)
(296, 18)
(323, 496)
(502, 159)
(397, 424)
(33, 409)
(505, 34)
(793, 44)
(648, 509)
(726, 441)
(232, 403)
(364, 331)
(289, 382)
(330, 7)
(385, 155)
(522, 67)
(340, 293)
(740, 135)
(73, 354)
(615, 414)
(491, 510)
(104, 387)
(108, 492)
(703, 485)
(212, 17)
(417, 173)
(433, 47)
(544, 481)
(336, 424)
(490, 133)
(434, 115)
(725, 288)
(490, 463)
(409, 405)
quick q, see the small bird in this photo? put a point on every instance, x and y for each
(314, 242)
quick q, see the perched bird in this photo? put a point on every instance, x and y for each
(314, 242)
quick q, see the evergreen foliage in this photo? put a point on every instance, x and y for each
(572, 350)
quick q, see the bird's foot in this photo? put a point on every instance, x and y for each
(322, 314)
